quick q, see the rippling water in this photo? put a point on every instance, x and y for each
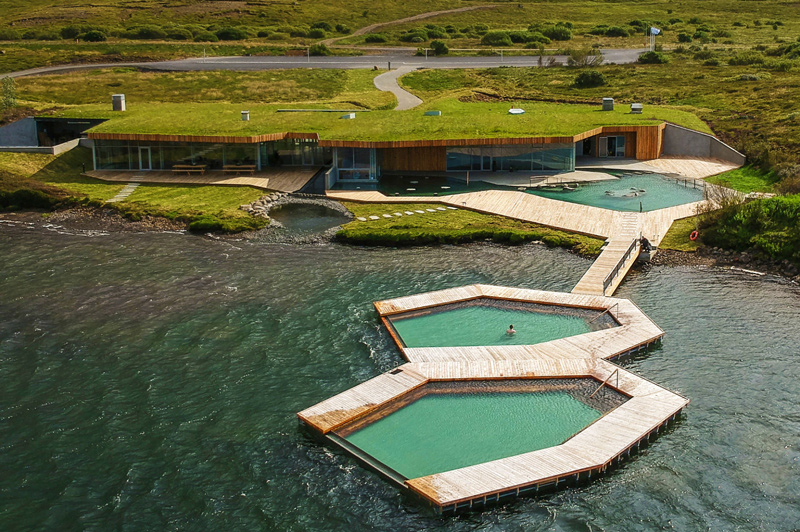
(151, 382)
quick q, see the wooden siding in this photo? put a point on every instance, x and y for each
(647, 140)
(433, 159)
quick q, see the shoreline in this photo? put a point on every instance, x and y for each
(99, 220)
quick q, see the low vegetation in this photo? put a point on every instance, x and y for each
(677, 238)
(452, 227)
(47, 182)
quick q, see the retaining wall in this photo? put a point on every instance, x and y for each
(690, 143)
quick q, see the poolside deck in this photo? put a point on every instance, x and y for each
(620, 228)
(282, 179)
(605, 442)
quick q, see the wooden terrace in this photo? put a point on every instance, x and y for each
(283, 179)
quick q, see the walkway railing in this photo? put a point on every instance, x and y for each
(609, 279)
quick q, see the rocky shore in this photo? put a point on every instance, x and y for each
(720, 258)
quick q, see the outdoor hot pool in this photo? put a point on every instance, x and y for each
(454, 425)
(484, 322)
(649, 192)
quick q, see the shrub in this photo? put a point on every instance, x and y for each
(684, 37)
(180, 34)
(721, 34)
(25, 198)
(653, 58)
(616, 31)
(231, 34)
(48, 36)
(588, 79)
(263, 34)
(481, 29)
(205, 36)
(536, 37)
(747, 58)
(551, 241)
(319, 49)
(700, 36)
(558, 33)
(316, 33)
(695, 21)
(738, 24)
(711, 62)
(417, 35)
(70, 32)
(440, 48)
(322, 25)
(146, 32)
(496, 38)
(94, 36)
(343, 28)
(436, 32)
(376, 37)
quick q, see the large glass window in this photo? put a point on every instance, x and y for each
(513, 158)
(113, 155)
(356, 163)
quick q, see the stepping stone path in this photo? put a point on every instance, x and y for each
(406, 213)
(124, 193)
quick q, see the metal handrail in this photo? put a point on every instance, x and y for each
(610, 277)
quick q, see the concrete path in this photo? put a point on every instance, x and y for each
(388, 82)
(124, 193)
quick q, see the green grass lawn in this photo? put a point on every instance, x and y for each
(452, 227)
(746, 179)
(143, 88)
(459, 120)
(677, 238)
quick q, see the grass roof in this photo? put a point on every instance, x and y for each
(459, 120)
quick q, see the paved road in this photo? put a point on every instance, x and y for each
(395, 60)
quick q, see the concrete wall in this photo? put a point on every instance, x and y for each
(58, 149)
(689, 143)
(19, 133)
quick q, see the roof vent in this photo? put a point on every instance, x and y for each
(348, 116)
(245, 116)
(636, 108)
(516, 111)
(118, 102)
(433, 113)
(608, 104)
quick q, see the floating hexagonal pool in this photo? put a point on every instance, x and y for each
(443, 426)
(484, 322)
(465, 426)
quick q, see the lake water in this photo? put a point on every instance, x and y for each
(151, 381)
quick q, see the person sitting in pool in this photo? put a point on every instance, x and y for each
(511, 330)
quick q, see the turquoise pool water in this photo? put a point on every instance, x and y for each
(448, 431)
(486, 325)
(652, 191)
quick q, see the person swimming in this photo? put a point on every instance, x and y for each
(511, 330)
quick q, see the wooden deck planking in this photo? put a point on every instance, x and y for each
(281, 179)
(696, 167)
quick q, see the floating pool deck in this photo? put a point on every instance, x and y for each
(587, 454)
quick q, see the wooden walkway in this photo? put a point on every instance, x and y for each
(695, 168)
(588, 453)
(619, 228)
(281, 179)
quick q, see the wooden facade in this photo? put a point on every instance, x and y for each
(430, 159)
(642, 142)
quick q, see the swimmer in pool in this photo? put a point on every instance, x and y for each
(511, 330)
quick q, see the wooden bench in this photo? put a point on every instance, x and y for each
(189, 169)
(228, 168)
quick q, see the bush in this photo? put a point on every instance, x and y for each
(145, 32)
(70, 32)
(94, 36)
(551, 241)
(417, 35)
(322, 25)
(616, 31)
(481, 29)
(588, 79)
(653, 58)
(180, 34)
(263, 34)
(376, 37)
(316, 33)
(440, 48)
(747, 58)
(496, 38)
(684, 37)
(205, 36)
(343, 28)
(231, 34)
(319, 49)
(558, 33)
